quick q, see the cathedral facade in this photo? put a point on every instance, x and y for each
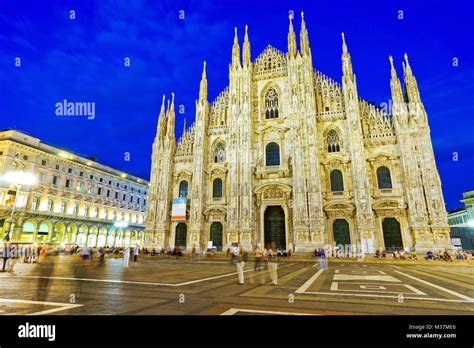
(287, 156)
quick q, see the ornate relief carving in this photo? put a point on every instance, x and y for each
(273, 193)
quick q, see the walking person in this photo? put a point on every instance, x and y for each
(273, 265)
(265, 258)
(5, 254)
(126, 257)
(240, 258)
(258, 257)
(323, 262)
(101, 252)
(193, 254)
(136, 252)
(234, 251)
(13, 257)
(85, 255)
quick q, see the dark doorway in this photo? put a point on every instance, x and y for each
(341, 233)
(216, 235)
(180, 237)
(392, 236)
(275, 227)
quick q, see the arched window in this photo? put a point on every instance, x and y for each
(383, 178)
(217, 188)
(272, 153)
(271, 104)
(337, 183)
(183, 189)
(333, 141)
(219, 153)
(29, 227)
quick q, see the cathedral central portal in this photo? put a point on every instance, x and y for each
(274, 227)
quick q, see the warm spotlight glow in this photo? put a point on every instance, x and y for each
(20, 178)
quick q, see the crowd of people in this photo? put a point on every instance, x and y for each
(266, 258)
(441, 255)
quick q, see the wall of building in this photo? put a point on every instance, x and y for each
(75, 200)
(310, 106)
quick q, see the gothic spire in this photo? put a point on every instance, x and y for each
(346, 58)
(395, 86)
(236, 51)
(184, 126)
(170, 119)
(411, 85)
(203, 85)
(246, 49)
(161, 120)
(304, 41)
(291, 40)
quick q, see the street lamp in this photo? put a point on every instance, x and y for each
(17, 178)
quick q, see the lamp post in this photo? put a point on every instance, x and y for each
(17, 178)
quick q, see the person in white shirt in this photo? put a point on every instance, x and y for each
(136, 252)
(240, 264)
(126, 257)
(235, 251)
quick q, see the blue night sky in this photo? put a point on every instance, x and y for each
(83, 60)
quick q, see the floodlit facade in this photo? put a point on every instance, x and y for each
(289, 156)
(75, 200)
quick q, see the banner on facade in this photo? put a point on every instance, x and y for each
(178, 210)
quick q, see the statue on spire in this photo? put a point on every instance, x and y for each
(291, 39)
(236, 50)
(346, 58)
(411, 86)
(170, 119)
(246, 49)
(203, 85)
(161, 129)
(395, 86)
(304, 41)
